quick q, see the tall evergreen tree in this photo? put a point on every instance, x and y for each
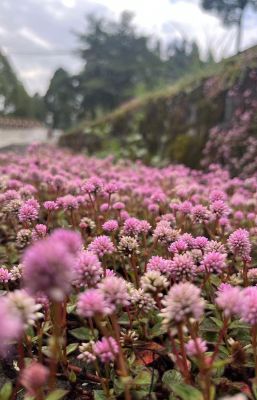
(231, 13)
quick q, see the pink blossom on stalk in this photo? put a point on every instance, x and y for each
(132, 226)
(5, 275)
(93, 185)
(101, 245)
(88, 269)
(50, 205)
(239, 215)
(157, 263)
(27, 213)
(92, 302)
(34, 377)
(248, 308)
(200, 214)
(193, 349)
(106, 349)
(200, 242)
(67, 202)
(111, 225)
(71, 239)
(239, 243)
(179, 246)
(219, 209)
(39, 232)
(229, 299)
(11, 327)
(217, 195)
(183, 301)
(182, 267)
(48, 265)
(214, 262)
(115, 291)
(118, 206)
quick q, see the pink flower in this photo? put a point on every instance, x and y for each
(118, 206)
(200, 242)
(132, 226)
(200, 214)
(88, 269)
(111, 225)
(71, 239)
(179, 246)
(115, 291)
(27, 213)
(67, 202)
(34, 377)
(248, 307)
(182, 267)
(214, 262)
(219, 209)
(183, 301)
(93, 185)
(48, 266)
(157, 263)
(93, 302)
(229, 299)
(50, 205)
(39, 232)
(101, 245)
(11, 326)
(5, 275)
(239, 243)
(194, 347)
(106, 349)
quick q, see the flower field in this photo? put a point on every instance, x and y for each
(122, 281)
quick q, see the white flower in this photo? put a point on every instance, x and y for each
(153, 282)
(22, 304)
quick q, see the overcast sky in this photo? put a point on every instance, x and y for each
(37, 34)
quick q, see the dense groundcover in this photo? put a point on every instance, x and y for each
(120, 281)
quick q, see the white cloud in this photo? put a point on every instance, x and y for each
(43, 26)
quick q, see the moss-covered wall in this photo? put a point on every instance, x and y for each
(169, 126)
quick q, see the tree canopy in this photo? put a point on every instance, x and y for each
(118, 64)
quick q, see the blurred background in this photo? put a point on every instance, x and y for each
(113, 76)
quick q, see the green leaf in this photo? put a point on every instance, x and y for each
(170, 377)
(83, 333)
(143, 395)
(186, 392)
(6, 391)
(71, 348)
(157, 330)
(144, 378)
(57, 394)
(72, 377)
(99, 395)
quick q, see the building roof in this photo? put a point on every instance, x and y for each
(18, 123)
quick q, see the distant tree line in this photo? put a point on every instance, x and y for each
(119, 64)
(14, 100)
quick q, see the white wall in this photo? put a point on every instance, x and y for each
(24, 136)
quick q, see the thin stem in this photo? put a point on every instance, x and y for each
(183, 353)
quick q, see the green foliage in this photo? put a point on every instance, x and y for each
(119, 64)
(6, 391)
(61, 100)
(14, 100)
(57, 394)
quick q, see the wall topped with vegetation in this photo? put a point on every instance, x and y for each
(182, 122)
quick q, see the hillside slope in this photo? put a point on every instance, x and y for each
(203, 119)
